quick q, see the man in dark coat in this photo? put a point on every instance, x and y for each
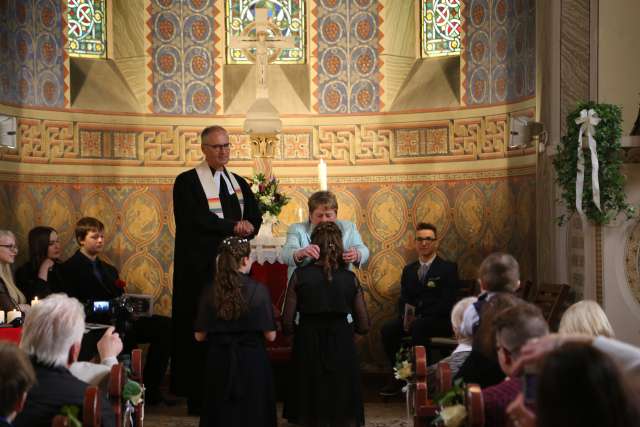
(429, 287)
(209, 204)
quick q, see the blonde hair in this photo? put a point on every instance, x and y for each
(7, 276)
(457, 314)
(51, 328)
(586, 317)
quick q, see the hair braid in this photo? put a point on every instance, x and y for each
(228, 299)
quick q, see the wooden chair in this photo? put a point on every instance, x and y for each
(551, 299)
(475, 405)
(91, 415)
(526, 290)
(444, 377)
(424, 409)
(117, 379)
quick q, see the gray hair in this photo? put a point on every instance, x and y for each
(457, 314)
(51, 328)
(7, 233)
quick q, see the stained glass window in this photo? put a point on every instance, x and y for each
(441, 26)
(287, 15)
(87, 28)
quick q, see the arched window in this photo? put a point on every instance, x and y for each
(288, 15)
(441, 27)
(87, 28)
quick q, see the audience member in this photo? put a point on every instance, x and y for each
(298, 249)
(462, 350)
(109, 347)
(10, 296)
(325, 379)
(513, 327)
(579, 386)
(586, 317)
(16, 378)
(51, 337)
(235, 317)
(89, 279)
(499, 272)
(210, 203)
(40, 275)
(428, 291)
(482, 367)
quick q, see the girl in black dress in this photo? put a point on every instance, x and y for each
(40, 275)
(325, 387)
(235, 318)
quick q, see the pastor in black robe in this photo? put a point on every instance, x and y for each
(198, 234)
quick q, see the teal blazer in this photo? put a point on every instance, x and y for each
(299, 236)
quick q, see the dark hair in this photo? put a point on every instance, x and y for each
(484, 338)
(500, 272)
(581, 386)
(427, 226)
(87, 224)
(228, 299)
(322, 198)
(16, 376)
(328, 237)
(518, 324)
(211, 129)
(39, 245)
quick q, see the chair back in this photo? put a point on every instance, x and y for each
(136, 375)
(475, 405)
(423, 408)
(525, 290)
(552, 299)
(443, 375)
(116, 385)
(91, 415)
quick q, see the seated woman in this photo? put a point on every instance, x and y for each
(40, 275)
(325, 377)
(586, 317)
(235, 318)
(299, 250)
(10, 296)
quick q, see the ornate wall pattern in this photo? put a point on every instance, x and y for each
(347, 37)
(67, 142)
(475, 214)
(182, 56)
(498, 59)
(32, 53)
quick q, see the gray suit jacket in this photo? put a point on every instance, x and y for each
(299, 236)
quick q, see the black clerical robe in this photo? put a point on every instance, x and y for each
(198, 234)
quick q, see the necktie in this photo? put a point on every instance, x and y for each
(422, 272)
(96, 271)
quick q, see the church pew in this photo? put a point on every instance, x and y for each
(91, 415)
(475, 405)
(136, 375)
(117, 379)
(444, 378)
(424, 408)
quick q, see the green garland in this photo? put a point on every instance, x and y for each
(612, 196)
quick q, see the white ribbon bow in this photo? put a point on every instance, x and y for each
(588, 120)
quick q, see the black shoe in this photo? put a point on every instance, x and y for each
(393, 388)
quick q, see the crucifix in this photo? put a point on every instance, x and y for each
(262, 42)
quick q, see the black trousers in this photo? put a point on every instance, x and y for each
(156, 331)
(423, 328)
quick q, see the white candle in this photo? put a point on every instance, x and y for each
(300, 217)
(13, 314)
(322, 175)
(1, 316)
(34, 301)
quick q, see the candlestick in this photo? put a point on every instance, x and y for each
(34, 301)
(322, 175)
(13, 314)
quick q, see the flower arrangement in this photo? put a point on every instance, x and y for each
(452, 410)
(270, 199)
(403, 369)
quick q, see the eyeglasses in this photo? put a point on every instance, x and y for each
(426, 239)
(13, 247)
(218, 146)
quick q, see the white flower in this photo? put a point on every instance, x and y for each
(255, 188)
(404, 372)
(265, 199)
(453, 416)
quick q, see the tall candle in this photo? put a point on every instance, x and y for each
(1, 316)
(13, 314)
(322, 175)
(34, 301)
(300, 217)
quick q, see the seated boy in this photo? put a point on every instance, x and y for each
(499, 272)
(16, 378)
(88, 278)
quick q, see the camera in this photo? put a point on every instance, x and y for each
(118, 312)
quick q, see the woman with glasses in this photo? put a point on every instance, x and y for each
(10, 296)
(40, 275)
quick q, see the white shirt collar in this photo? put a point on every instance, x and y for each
(429, 261)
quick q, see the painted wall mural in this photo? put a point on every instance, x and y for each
(32, 53)
(475, 215)
(498, 60)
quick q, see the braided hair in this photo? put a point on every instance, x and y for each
(328, 237)
(228, 299)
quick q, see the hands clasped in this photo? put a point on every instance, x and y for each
(243, 228)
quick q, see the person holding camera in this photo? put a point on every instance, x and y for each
(96, 284)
